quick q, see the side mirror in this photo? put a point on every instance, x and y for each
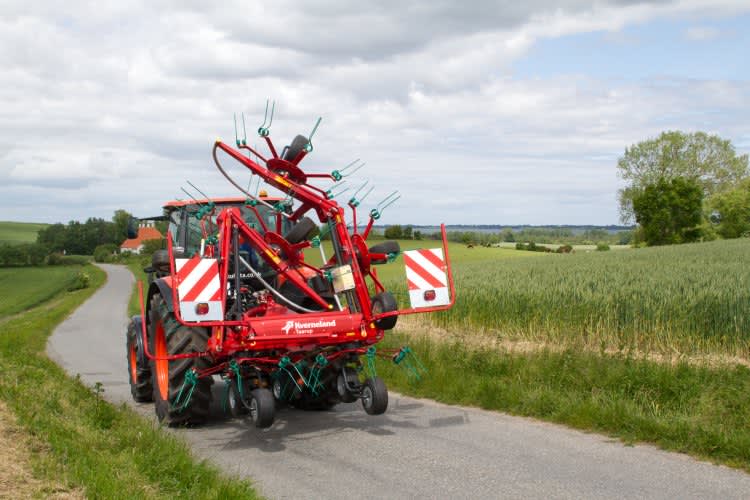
(132, 228)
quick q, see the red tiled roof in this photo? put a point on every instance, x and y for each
(144, 234)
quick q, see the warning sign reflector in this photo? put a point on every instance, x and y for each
(198, 283)
(426, 277)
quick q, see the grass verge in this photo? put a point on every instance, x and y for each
(110, 452)
(700, 410)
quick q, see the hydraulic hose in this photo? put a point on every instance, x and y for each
(273, 290)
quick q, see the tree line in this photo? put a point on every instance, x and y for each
(73, 238)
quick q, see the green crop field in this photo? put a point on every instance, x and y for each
(25, 287)
(690, 298)
(19, 232)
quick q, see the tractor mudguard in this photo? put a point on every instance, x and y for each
(139, 347)
(164, 287)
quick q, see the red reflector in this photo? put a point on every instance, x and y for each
(201, 308)
(429, 295)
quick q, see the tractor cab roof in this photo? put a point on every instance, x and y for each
(174, 204)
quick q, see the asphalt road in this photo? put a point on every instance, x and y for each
(418, 449)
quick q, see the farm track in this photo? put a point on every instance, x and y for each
(417, 449)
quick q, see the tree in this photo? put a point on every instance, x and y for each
(394, 232)
(407, 232)
(417, 235)
(669, 211)
(121, 218)
(52, 237)
(708, 159)
(731, 211)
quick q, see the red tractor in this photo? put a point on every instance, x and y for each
(234, 296)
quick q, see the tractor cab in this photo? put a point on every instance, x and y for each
(186, 219)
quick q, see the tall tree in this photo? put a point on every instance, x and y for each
(121, 218)
(670, 211)
(708, 159)
(731, 211)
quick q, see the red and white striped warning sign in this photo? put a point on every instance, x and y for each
(426, 276)
(198, 283)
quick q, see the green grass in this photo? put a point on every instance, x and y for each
(23, 288)
(19, 232)
(700, 410)
(689, 298)
(108, 451)
(135, 264)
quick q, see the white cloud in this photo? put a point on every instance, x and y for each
(117, 107)
(701, 33)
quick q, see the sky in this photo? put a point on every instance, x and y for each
(498, 112)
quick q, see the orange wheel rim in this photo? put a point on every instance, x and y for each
(133, 366)
(162, 365)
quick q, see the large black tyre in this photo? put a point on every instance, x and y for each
(385, 302)
(168, 336)
(374, 396)
(139, 370)
(294, 149)
(342, 387)
(160, 261)
(262, 408)
(235, 404)
(301, 230)
(384, 247)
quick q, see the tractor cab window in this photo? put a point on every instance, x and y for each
(193, 236)
(269, 218)
(174, 225)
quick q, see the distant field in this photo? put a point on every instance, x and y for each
(19, 232)
(25, 287)
(685, 298)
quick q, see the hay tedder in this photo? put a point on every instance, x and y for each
(235, 295)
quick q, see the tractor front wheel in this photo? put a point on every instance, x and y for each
(168, 337)
(139, 370)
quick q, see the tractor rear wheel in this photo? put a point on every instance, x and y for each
(139, 370)
(167, 337)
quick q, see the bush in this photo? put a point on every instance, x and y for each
(81, 281)
(58, 259)
(532, 247)
(564, 249)
(106, 252)
(24, 254)
(394, 232)
(602, 247)
(150, 246)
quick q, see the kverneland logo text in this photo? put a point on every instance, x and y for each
(292, 326)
